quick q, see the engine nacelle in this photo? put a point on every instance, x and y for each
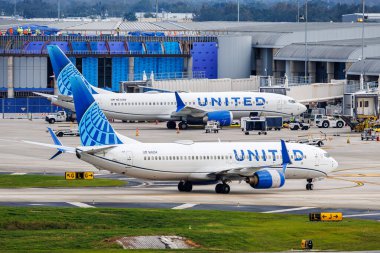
(223, 117)
(265, 179)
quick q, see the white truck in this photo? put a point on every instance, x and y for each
(325, 121)
(212, 126)
(60, 116)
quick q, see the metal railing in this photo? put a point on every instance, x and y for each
(266, 81)
(352, 86)
(168, 76)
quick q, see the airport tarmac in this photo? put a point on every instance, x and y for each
(354, 186)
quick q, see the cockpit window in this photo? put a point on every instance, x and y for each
(327, 155)
(291, 101)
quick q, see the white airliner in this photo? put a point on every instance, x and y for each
(187, 108)
(261, 164)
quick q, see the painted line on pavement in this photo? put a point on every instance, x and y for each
(289, 209)
(184, 206)
(360, 215)
(80, 204)
(18, 173)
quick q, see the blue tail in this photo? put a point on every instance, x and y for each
(285, 156)
(64, 69)
(94, 128)
(56, 142)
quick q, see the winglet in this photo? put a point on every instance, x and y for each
(285, 156)
(180, 103)
(56, 142)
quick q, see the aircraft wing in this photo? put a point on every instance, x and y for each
(183, 109)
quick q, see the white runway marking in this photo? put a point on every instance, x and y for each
(360, 215)
(80, 204)
(289, 210)
(19, 173)
(36, 204)
(184, 206)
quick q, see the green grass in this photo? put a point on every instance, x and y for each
(18, 181)
(87, 230)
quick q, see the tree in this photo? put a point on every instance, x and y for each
(130, 16)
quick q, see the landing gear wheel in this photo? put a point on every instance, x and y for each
(222, 188)
(183, 125)
(185, 186)
(309, 187)
(171, 125)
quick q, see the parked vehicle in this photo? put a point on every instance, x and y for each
(326, 122)
(275, 123)
(212, 127)
(60, 116)
(67, 132)
(296, 125)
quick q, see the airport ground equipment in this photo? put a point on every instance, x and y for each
(322, 121)
(212, 127)
(256, 124)
(368, 134)
(67, 132)
(325, 216)
(272, 122)
(296, 125)
(60, 116)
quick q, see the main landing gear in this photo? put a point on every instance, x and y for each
(309, 185)
(185, 186)
(183, 125)
(171, 125)
(222, 188)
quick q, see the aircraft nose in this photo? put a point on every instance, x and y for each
(302, 108)
(334, 164)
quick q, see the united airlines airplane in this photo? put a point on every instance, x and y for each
(187, 108)
(262, 165)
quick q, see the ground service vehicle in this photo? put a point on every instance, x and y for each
(60, 116)
(368, 134)
(255, 124)
(296, 125)
(67, 132)
(212, 126)
(326, 122)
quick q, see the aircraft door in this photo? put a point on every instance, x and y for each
(129, 155)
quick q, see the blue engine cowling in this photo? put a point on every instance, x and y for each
(265, 179)
(223, 117)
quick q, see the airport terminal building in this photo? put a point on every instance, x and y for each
(111, 51)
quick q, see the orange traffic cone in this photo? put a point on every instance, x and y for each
(137, 131)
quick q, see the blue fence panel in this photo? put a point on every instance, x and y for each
(20, 107)
(90, 70)
(99, 47)
(145, 64)
(153, 47)
(63, 45)
(79, 46)
(120, 67)
(34, 46)
(135, 47)
(117, 47)
(172, 48)
(168, 67)
(205, 58)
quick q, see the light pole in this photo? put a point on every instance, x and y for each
(306, 53)
(362, 72)
(238, 10)
(156, 10)
(298, 11)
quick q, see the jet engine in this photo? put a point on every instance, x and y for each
(223, 117)
(265, 179)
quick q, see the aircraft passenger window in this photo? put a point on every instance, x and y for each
(192, 158)
(304, 156)
(327, 155)
(170, 157)
(177, 157)
(154, 103)
(161, 103)
(150, 103)
(167, 157)
(148, 158)
(214, 157)
(159, 158)
(144, 157)
(156, 158)
(291, 101)
(291, 156)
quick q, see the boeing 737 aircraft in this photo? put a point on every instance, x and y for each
(187, 108)
(262, 165)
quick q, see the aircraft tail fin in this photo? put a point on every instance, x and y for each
(94, 127)
(285, 156)
(63, 69)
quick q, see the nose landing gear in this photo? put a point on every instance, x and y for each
(309, 185)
